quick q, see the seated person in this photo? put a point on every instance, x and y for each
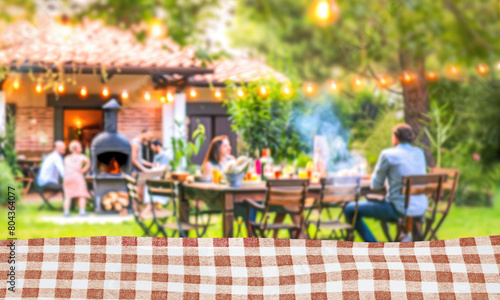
(52, 170)
(218, 155)
(160, 161)
(138, 163)
(394, 163)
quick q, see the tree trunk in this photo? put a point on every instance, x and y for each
(416, 98)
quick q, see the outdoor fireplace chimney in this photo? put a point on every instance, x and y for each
(111, 116)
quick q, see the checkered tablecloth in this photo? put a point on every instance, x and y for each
(130, 267)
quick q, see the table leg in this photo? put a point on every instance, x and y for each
(228, 215)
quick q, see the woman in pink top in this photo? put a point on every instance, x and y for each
(75, 165)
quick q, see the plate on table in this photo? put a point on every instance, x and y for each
(246, 183)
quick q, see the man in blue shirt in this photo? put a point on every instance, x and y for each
(161, 158)
(394, 163)
(52, 169)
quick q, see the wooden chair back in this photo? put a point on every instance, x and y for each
(451, 183)
(162, 187)
(132, 189)
(141, 177)
(428, 184)
(335, 190)
(291, 192)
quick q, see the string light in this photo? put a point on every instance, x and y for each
(38, 88)
(217, 94)
(310, 89)
(240, 93)
(60, 88)
(453, 72)
(83, 92)
(287, 90)
(105, 92)
(162, 99)
(334, 86)
(407, 77)
(482, 69)
(357, 82)
(157, 29)
(147, 96)
(170, 97)
(325, 11)
(192, 93)
(124, 95)
(384, 81)
(431, 76)
(263, 91)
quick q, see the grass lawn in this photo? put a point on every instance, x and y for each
(461, 222)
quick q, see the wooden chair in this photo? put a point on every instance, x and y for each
(41, 190)
(280, 195)
(428, 184)
(166, 188)
(26, 184)
(335, 193)
(439, 210)
(133, 194)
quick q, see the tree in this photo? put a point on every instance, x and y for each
(371, 37)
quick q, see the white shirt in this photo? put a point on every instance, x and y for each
(52, 167)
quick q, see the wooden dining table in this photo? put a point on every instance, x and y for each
(226, 197)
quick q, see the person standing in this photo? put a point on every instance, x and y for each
(52, 170)
(393, 164)
(139, 164)
(75, 165)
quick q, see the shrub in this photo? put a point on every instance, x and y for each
(7, 180)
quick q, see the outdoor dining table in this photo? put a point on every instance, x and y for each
(226, 196)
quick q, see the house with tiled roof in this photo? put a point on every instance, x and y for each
(60, 75)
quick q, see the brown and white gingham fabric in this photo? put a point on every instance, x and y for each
(160, 268)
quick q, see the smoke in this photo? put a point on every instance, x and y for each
(321, 128)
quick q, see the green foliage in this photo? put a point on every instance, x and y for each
(7, 180)
(267, 122)
(7, 145)
(182, 18)
(437, 131)
(303, 160)
(182, 150)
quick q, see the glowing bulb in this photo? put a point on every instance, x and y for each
(16, 84)
(170, 97)
(325, 11)
(357, 82)
(60, 88)
(407, 77)
(157, 29)
(453, 72)
(217, 94)
(124, 95)
(162, 100)
(482, 69)
(334, 86)
(78, 123)
(263, 92)
(38, 88)
(193, 93)
(431, 76)
(83, 92)
(309, 89)
(147, 96)
(105, 92)
(240, 94)
(286, 90)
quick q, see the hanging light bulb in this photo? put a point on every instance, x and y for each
(357, 82)
(193, 93)
(453, 72)
(158, 29)
(124, 95)
(407, 77)
(105, 92)
(482, 69)
(60, 88)
(240, 93)
(163, 99)
(384, 81)
(83, 92)
(170, 97)
(310, 89)
(325, 12)
(38, 88)
(334, 86)
(431, 76)
(263, 91)
(217, 94)
(147, 96)
(287, 90)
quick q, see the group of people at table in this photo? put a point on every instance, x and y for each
(401, 160)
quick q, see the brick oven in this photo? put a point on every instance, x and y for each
(110, 158)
